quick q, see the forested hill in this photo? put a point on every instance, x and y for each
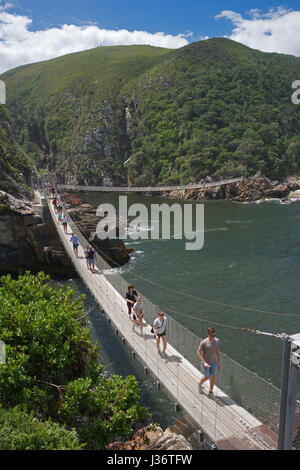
(210, 108)
(15, 166)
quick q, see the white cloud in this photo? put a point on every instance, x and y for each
(278, 30)
(19, 45)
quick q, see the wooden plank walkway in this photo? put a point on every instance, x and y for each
(225, 422)
(145, 189)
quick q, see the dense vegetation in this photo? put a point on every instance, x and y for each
(210, 108)
(52, 372)
(15, 165)
(215, 108)
(69, 111)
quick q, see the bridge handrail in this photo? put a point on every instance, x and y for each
(267, 396)
(148, 188)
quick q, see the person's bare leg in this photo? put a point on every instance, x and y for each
(204, 379)
(164, 339)
(141, 324)
(212, 380)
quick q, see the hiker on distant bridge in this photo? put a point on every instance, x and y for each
(160, 331)
(130, 298)
(86, 255)
(59, 216)
(91, 254)
(138, 313)
(209, 354)
(65, 223)
(74, 240)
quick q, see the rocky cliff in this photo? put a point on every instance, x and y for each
(153, 438)
(83, 214)
(28, 242)
(250, 189)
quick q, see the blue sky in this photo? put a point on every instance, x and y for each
(168, 16)
(35, 30)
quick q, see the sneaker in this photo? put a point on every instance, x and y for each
(164, 353)
(211, 394)
(200, 388)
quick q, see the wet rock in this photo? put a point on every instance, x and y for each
(153, 438)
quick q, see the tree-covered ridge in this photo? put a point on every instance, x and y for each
(210, 108)
(15, 165)
(69, 111)
(52, 371)
(215, 108)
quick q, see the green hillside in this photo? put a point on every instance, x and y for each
(70, 111)
(210, 108)
(15, 166)
(214, 108)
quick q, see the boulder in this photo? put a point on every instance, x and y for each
(153, 438)
(28, 243)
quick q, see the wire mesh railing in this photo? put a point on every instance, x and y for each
(253, 393)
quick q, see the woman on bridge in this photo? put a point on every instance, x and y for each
(160, 331)
(138, 313)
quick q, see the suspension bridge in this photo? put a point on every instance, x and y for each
(226, 423)
(147, 189)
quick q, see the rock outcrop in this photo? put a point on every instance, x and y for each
(248, 190)
(84, 215)
(28, 242)
(153, 438)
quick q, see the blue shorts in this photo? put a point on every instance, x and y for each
(91, 261)
(211, 370)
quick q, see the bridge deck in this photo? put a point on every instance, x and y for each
(146, 189)
(225, 422)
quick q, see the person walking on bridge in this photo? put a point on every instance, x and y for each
(138, 313)
(74, 240)
(160, 331)
(91, 254)
(130, 298)
(209, 355)
(65, 223)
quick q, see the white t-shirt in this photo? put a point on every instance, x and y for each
(160, 325)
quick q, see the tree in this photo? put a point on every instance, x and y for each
(52, 368)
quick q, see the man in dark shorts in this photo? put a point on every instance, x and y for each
(75, 242)
(209, 354)
(130, 298)
(91, 254)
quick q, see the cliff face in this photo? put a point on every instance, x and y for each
(15, 165)
(212, 108)
(27, 242)
(248, 190)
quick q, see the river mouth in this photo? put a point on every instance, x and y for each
(245, 278)
(246, 275)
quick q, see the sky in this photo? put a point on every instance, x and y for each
(35, 30)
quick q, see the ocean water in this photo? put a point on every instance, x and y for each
(245, 277)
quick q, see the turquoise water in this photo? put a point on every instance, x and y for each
(250, 259)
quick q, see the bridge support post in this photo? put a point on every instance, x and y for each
(290, 375)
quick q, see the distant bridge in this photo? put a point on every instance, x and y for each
(146, 189)
(250, 424)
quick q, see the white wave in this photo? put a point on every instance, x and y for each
(239, 221)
